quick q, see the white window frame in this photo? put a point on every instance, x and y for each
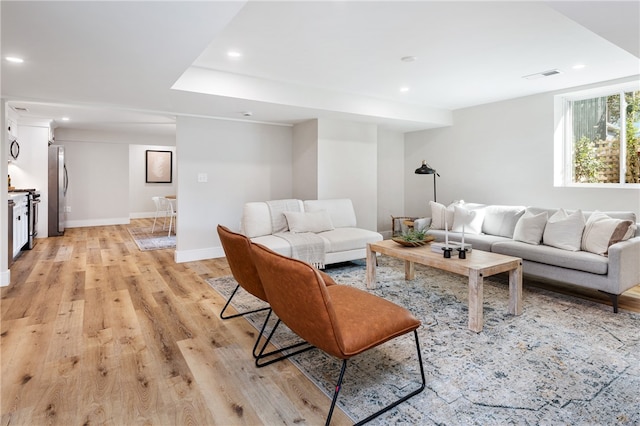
(563, 143)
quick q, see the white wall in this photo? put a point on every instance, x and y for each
(140, 192)
(391, 192)
(243, 162)
(100, 187)
(501, 153)
(305, 160)
(348, 166)
(98, 191)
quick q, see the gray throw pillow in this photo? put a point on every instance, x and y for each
(530, 227)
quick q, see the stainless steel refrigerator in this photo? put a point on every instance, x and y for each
(58, 182)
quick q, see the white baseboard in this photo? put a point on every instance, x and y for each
(142, 215)
(182, 256)
(97, 222)
(5, 278)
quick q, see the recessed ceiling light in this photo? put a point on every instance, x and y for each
(404, 89)
(408, 58)
(578, 66)
(234, 54)
(65, 118)
(14, 59)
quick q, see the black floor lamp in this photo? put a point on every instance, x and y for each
(425, 169)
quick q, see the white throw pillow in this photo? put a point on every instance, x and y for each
(318, 221)
(530, 227)
(441, 215)
(470, 219)
(564, 230)
(602, 231)
(501, 220)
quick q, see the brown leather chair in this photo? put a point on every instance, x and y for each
(237, 249)
(342, 321)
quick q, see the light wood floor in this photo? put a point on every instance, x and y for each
(94, 331)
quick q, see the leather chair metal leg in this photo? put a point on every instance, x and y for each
(262, 355)
(241, 313)
(388, 407)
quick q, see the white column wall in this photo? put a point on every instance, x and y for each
(390, 174)
(348, 165)
(243, 162)
(305, 160)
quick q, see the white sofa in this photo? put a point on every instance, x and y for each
(343, 243)
(612, 272)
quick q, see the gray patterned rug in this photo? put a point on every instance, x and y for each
(563, 361)
(158, 240)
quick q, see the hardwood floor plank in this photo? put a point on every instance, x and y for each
(95, 331)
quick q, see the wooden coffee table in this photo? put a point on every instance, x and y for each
(476, 266)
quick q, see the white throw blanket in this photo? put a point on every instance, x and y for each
(305, 246)
(276, 208)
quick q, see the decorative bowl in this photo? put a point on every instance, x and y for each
(418, 243)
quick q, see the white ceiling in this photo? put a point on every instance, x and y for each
(137, 65)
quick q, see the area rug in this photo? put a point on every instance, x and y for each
(563, 361)
(158, 240)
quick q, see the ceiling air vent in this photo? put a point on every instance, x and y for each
(17, 108)
(542, 74)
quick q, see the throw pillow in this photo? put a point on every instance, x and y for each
(318, 221)
(530, 227)
(471, 220)
(501, 220)
(602, 231)
(441, 215)
(564, 230)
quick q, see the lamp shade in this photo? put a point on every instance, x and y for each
(424, 169)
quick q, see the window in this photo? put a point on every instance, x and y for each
(600, 137)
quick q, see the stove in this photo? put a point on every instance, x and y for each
(33, 199)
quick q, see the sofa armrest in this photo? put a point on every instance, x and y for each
(422, 223)
(624, 264)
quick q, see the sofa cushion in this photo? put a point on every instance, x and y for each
(564, 230)
(578, 260)
(348, 238)
(441, 215)
(277, 208)
(340, 210)
(602, 231)
(467, 219)
(256, 220)
(277, 244)
(309, 221)
(501, 220)
(530, 227)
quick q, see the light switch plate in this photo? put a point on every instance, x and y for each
(202, 177)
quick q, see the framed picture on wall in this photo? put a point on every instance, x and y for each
(159, 166)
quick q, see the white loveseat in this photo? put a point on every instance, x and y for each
(593, 261)
(334, 221)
